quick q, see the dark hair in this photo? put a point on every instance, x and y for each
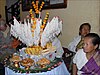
(84, 24)
(95, 38)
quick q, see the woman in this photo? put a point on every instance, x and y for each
(5, 41)
(87, 60)
(77, 42)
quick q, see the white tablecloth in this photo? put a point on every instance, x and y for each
(60, 70)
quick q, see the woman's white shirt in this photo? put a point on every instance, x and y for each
(80, 60)
(72, 45)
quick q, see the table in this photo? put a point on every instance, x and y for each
(60, 70)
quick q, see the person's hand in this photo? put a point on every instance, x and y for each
(4, 46)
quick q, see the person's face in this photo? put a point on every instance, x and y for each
(88, 45)
(2, 28)
(85, 30)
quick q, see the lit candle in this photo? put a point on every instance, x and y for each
(16, 64)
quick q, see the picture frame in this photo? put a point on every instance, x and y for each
(49, 4)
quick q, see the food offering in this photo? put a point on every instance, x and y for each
(43, 62)
(27, 63)
(15, 60)
(35, 50)
(37, 34)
